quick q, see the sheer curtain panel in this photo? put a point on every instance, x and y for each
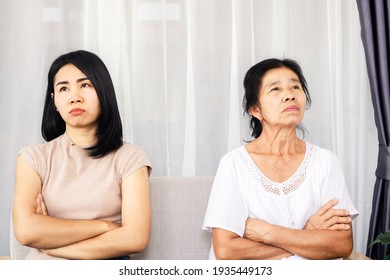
(178, 67)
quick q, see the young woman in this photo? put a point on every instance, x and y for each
(279, 196)
(85, 193)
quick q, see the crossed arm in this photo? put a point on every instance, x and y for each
(81, 239)
(326, 235)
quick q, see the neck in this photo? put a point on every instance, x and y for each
(279, 141)
(82, 137)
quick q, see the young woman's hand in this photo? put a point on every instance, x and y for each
(40, 205)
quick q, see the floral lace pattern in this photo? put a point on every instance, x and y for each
(286, 187)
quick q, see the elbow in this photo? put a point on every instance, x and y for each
(22, 239)
(343, 249)
(24, 236)
(141, 245)
(24, 230)
(143, 240)
(223, 243)
(347, 249)
(223, 253)
(348, 245)
(27, 234)
(137, 245)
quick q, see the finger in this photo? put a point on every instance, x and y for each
(337, 220)
(43, 205)
(44, 210)
(38, 209)
(340, 227)
(335, 213)
(324, 208)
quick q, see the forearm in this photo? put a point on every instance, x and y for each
(45, 232)
(311, 244)
(118, 242)
(244, 249)
(228, 245)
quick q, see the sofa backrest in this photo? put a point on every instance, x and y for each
(178, 207)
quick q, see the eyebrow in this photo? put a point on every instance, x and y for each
(66, 82)
(278, 82)
(295, 80)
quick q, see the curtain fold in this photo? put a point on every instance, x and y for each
(190, 113)
(375, 33)
(234, 103)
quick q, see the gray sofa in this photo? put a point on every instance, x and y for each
(178, 208)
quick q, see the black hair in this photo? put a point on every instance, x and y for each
(252, 85)
(109, 132)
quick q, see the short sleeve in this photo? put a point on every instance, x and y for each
(335, 186)
(130, 159)
(34, 159)
(226, 208)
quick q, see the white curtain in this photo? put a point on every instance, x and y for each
(178, 67)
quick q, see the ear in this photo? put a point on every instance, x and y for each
(54, 102)
(256, 112)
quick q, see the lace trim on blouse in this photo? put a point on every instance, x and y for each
(286, 187)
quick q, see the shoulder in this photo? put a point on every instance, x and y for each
(233, 156)
(40, 149)
(233, 161)
(128, 149)
(31, 149)
(130, 157)
(39, 156)
(323, 154)
(325, 159)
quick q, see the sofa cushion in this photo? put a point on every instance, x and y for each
(178, 208)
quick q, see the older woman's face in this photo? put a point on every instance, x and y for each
(282, 101)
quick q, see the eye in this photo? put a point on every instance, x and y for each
(63, 89)
(274, 89)
(296, 87)
(86, 85)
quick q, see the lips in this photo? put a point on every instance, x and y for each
(291, 108)
(76, 111)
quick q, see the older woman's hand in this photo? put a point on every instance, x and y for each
(328, 218)
(256, 230)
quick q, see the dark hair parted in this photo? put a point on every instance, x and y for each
(109, 132)
(252, 85)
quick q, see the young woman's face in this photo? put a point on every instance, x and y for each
(75, 98)
(282, 101)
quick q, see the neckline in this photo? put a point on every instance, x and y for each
(70, 142)
(292, 183)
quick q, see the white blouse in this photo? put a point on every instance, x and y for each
(241, 191)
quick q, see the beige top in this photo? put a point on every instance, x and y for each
(77, 186)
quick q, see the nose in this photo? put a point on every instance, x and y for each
(75, 98)
(288, 97)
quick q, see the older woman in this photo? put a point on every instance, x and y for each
(279, 196)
